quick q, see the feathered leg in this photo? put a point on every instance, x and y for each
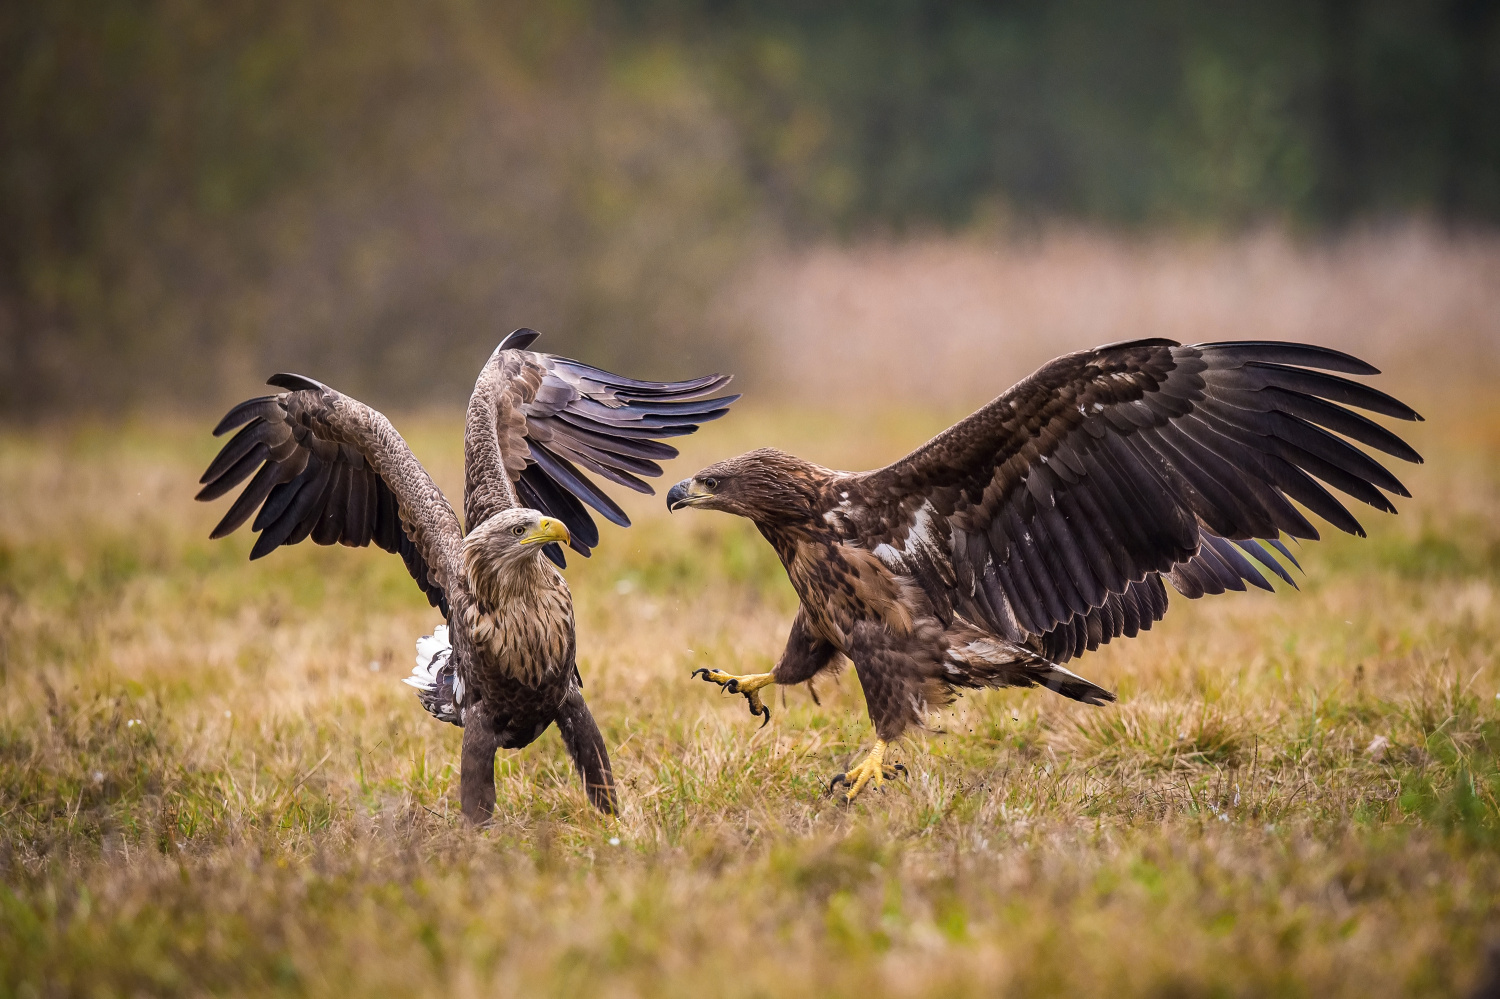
(476, 774)
(898, 689)
(586, 749)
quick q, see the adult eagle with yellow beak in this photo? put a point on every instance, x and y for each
(1044, 525)
(330, 468)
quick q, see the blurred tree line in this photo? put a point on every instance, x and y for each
(900, 113)
(194, 193)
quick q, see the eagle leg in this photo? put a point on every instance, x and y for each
(747, 685)
(872, 771)
(476, 776)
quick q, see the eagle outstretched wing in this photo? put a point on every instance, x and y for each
(535, 420)
(330, 468)
(1053, 514)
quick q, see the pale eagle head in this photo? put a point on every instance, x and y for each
(507, 549)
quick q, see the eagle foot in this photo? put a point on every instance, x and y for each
(869, 772)
(747, 685)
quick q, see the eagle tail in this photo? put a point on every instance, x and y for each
(978, 660)
(1070, 684)
(435, 676)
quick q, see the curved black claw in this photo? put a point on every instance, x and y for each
(765, 709)
(888, 771)
(731, 684)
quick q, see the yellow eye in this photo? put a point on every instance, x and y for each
(518, 530)
(710, 484)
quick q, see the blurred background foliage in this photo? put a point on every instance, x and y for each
(193, 194)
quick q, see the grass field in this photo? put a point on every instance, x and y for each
(212, 782)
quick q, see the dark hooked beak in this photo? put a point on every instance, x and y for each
(686, 493)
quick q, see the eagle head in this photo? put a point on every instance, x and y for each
(765, 485)
(507, 548)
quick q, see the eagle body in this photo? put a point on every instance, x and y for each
(519, 612)
(910, 651)
(1049, 522)
(516, 616)
(326, 467)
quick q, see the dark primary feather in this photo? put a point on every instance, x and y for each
(1302, 354)
(295, 383)
(250, 409)
(562, 472)
(1065, 504)
(518, 339)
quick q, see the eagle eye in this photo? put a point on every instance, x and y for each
(710, 484)
(518, 530)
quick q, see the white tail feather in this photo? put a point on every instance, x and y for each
(438, 685)
(429, 658)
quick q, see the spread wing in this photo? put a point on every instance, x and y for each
(1053, 514)
(330, 468)
(536, 422)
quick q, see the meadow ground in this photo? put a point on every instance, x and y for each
(211, 780)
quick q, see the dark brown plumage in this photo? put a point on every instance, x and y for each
(1045, 524)
(330, 468)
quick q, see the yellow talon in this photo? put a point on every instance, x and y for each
(747, 685)
(870, 772)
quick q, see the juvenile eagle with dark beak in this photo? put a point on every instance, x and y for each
(1047, 523)
(330, 468)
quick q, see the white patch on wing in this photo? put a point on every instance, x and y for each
(919, 535)
(840, 515)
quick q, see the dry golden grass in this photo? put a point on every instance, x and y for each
(212, 782)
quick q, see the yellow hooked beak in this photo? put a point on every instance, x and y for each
(547, 529)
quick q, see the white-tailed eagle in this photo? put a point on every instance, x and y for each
(328, 468)
(1046, 524)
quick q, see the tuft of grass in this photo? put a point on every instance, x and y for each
(212, 782)
(1160, 736)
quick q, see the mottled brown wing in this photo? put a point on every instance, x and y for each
(536, 421)
(330, 468)
(1052, 514)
